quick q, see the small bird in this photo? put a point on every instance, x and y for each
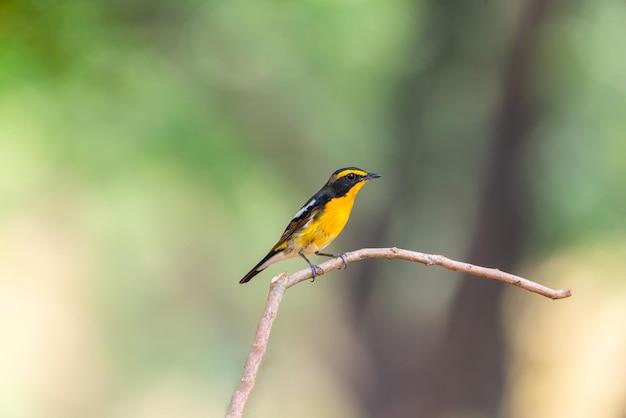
(320, 220)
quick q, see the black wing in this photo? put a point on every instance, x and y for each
(306, 213)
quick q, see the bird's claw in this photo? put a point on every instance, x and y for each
(344, 259)
(315, 270)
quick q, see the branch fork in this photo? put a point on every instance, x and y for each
(282, 282)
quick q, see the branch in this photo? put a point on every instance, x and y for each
(282, 282)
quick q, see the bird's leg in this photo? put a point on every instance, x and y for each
(314, 269)
(340, 255)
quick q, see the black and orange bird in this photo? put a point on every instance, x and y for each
(320, 220)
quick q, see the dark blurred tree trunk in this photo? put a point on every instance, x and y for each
(463, 374)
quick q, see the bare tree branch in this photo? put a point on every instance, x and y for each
(282, 282)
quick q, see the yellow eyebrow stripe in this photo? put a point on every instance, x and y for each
(353, 171)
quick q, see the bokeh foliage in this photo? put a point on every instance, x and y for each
(151, 151)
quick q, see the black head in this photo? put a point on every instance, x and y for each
(344, 179)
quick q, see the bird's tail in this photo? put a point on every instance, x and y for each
(262, 265)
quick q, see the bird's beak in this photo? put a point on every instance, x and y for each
(371, 176)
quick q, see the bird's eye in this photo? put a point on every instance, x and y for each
(350, 176)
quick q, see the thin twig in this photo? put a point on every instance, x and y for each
(255, 356)
(282, 282)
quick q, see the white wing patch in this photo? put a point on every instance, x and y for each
(306, 207)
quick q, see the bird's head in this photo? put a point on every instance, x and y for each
(349, 179)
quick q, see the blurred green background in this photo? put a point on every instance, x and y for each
(151, 152)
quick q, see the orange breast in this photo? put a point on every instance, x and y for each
(329, 224)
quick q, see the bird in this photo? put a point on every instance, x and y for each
(318, 222)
